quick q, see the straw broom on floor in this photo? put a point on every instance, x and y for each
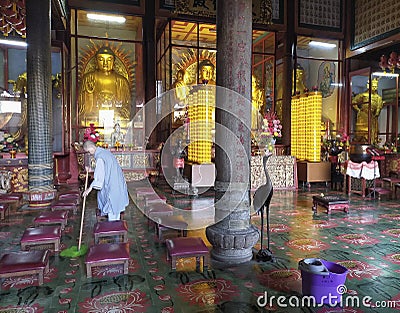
(75, 251)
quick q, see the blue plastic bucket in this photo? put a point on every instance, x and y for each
(323, 280)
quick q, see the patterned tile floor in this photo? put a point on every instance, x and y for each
(366, 241)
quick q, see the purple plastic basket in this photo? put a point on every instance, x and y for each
(327, 283)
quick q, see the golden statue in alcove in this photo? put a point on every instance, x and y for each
(105, 84)
(362, 108)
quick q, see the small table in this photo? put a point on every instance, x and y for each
(312, 172)
(330, 202)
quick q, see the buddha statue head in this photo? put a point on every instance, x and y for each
(105, 58)
(298, 83)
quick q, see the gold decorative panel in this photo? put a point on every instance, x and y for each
(374, 20)
(321, 13)
(281, 170)
(262, 9)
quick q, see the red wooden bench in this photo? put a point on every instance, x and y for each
(3, 210)
(110, 229)
(187, 247)
(51, 218)
(42, 235)
(21, 263)
(107, 254)
(66, 204)
(165, 224)
(330, 202)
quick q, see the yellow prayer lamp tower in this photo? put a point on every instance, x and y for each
(295, 126)
(306, 120)
(313, 133)
(201, 124)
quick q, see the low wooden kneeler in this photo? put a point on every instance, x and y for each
(3, 210)
(110, 229)
(187, 247)
(21, 263)
(66, 204)
(51, 218)
(42, 235)
(170, 224)
(107, 254)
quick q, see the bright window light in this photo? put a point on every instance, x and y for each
(13, 43)
(384, 74)
(8, 106)
(337, 85)
(106, 18)
(322, 44)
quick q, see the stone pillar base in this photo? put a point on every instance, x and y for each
(40, 200)
(232, 246)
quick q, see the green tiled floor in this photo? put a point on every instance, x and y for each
(366, 241)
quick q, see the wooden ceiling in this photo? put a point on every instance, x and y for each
(187, 31)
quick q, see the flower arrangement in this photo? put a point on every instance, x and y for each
(8, 143)
(91, 134)
(265, 140)
(338, 144)
(271, 129)
(272, 125)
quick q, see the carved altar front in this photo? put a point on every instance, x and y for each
(14, 174)
(281, 169)
(138, 164)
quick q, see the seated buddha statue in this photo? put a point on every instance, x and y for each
(104, 89)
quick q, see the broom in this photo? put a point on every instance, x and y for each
(75, 251)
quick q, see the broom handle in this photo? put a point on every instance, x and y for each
(83, 211)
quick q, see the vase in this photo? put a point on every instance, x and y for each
(13, 153)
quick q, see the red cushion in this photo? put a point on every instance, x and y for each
(110, 226)
(69, 197)
(69, 201)
(186, 246)
(171, 222)
(41, 233)
(160, 207)
(11, 196)
(107, 252)
(63, 205)
(24, 261)
(51, 216)
(69, 192)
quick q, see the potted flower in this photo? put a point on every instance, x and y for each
(91, 134)
(272, 125)
(9, 144)
(271, 130)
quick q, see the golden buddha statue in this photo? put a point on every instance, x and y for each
(181, 88)
(206, 72)
(299, 83)
(361, 106)
(104, 89)
(257, 103)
